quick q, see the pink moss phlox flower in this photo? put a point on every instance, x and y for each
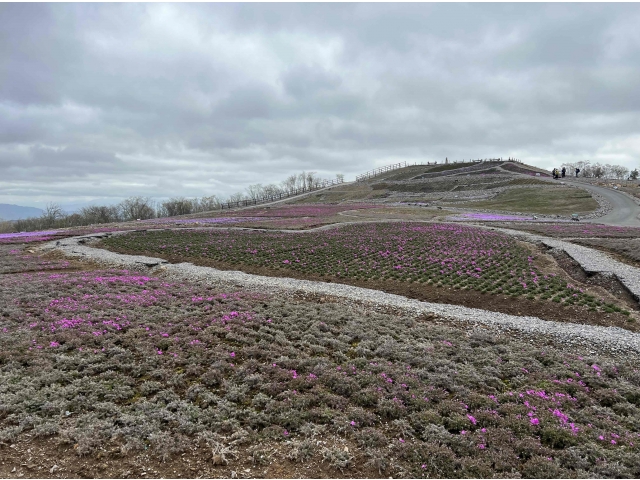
(472, 419)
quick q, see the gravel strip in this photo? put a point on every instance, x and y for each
(612, 339)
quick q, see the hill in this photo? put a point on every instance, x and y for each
(496, 185)
(16, 212)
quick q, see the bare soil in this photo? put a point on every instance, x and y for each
(48, 458)
(429, 293)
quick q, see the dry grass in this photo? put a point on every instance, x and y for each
(560, 201)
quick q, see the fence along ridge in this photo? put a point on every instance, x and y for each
(330, 183)
(279, 196)
(387, 168)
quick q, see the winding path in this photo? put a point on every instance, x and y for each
(625, 211)
(614, 339)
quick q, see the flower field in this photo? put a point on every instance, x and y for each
(15, 259)
(110, 364)
(451, 255)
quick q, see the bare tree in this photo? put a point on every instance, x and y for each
(134, 208)
(52, 213)
(339, 177)
(237, 197)
(206, 204)
(619, 171)
(176, 206)
(312, 179)
(302, 180)
(272, 190)
(289, 185)
(99, 214)
(255, 191)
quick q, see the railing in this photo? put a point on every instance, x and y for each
(377, 171)
(279, 196)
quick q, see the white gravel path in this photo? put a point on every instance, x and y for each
(613, 339)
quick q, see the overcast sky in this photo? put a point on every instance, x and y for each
(103, 101)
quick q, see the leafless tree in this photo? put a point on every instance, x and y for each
(237, 197)
(302, 180)
(619, 171)
(99, 214)
(52, 212)
(272, 190)
(134, 208)
(206, 204)
(290, 184)
(176, 206)
(256, 191)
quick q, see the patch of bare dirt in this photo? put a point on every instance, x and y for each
(603, 284)
(47, 458)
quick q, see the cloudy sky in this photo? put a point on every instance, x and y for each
(103, 101)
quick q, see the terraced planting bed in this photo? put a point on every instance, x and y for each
(622, 243)
(120, 373)
(437, 262)
(558, 201)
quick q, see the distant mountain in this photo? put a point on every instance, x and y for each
(16, 212)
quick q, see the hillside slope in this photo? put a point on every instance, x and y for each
(16, 212)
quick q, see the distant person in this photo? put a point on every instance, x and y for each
(577, 172)
(564, 170)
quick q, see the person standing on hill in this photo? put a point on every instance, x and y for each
(564, 170)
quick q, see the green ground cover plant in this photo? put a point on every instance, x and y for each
(104, 359)
(16, 259)
(450, 255)
(561, 201)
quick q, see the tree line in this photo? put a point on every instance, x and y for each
(598, 170)
(144, 208)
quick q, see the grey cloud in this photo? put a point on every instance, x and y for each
(110, 100)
